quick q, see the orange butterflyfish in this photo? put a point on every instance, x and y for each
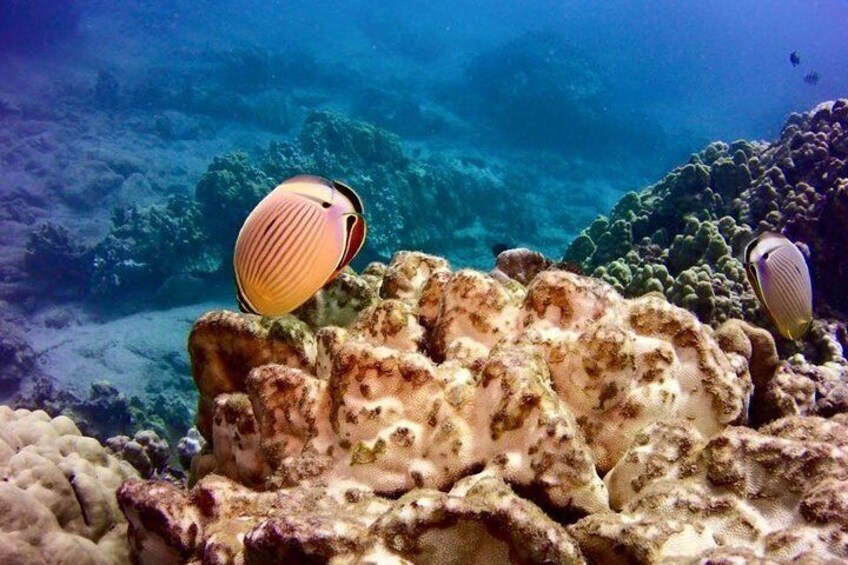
(778, 272)
(296, 240)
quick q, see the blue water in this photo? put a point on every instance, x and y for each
(539, 114)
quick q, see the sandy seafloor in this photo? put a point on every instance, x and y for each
(117, 351)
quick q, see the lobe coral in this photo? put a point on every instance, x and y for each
(453, 407)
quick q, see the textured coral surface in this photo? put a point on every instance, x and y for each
(776, 495)
(479, 521)
(57, 496)
(459, 392)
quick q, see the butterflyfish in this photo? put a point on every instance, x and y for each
(296, 240)
(778, 272)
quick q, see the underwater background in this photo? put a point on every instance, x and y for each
(642, 144)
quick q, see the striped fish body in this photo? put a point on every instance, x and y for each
(780, 277)
(298, 238)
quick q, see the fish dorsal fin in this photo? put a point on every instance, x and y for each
(313, 187)
(308, 179)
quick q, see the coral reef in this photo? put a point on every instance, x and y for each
(249, 85)
(533, 85)
(226, 193)
(17, 357)
(479, 521)
(57, 495)
(184, 244)
(540, 89)
(106, 91)
(372, 159)
(147, 246)
(683, 235)
(145, 451)
(107, 412)
(339, 303)
(189, 446)
(520, 264)
(776, 495)
(57, 262)
(446, 389)
(812, 155)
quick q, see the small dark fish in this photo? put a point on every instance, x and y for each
(812, 78)
(498, 248)
(795, 58)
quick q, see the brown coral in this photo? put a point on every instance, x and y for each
(479, 521)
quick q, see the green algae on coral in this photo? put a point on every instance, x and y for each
(361, 454)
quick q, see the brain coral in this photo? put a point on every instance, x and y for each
(57, 501)
(451, 382)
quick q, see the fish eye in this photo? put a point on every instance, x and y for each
(326, 204)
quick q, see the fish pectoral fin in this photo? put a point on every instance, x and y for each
(755, 283)
(355, 230)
